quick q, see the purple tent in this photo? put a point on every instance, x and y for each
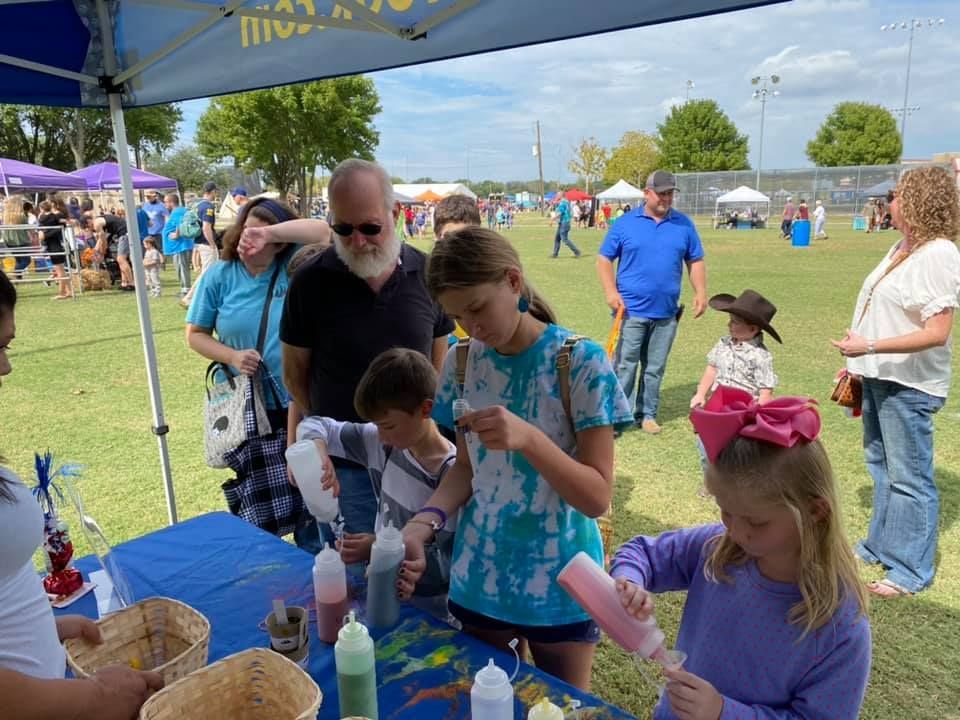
(106, 176)
(20, 177)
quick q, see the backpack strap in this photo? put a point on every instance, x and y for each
(462, 353)
(563, 372)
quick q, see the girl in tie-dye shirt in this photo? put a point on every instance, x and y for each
(529, 479)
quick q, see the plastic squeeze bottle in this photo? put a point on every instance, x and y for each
(383, 605)
(330, 592)
(491, 697)
(307, 463)
(545, 710)
(595, 591)
(356, 670)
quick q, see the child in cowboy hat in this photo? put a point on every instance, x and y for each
(740, 359)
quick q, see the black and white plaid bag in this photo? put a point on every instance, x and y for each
(261, 493)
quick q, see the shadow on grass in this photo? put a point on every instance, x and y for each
(94, 341)
(675, 401)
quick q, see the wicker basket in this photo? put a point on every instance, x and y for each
(256, 684)
(156, 634)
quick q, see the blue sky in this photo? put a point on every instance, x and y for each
(474, 117)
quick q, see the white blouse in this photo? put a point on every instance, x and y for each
(924, 284)
(28, 632)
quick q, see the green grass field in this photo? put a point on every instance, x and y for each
(79, 388)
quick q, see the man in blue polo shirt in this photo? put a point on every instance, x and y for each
(651, 245)
(563, 228)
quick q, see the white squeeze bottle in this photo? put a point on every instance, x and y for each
(491, 697)
(383, 605)
(545, 710)
(356, 670)
(330, 592)
(307, 463)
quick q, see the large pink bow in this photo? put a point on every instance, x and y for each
(731, 412)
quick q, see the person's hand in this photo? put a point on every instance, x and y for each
(415, 537)
(697, 400)
(355, 547)
(120, 691)
(330, 480)
(253, 240)
(246, 362)
(692, 697)
(497, 428)
(78, 626)
(614, 301)
(852, 345)
(635, 600)
(699, 305)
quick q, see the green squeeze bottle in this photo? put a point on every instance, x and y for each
(356, 671)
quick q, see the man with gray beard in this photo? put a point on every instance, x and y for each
(364, 295)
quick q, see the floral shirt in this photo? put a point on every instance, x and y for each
(745, 365)
(516, 532)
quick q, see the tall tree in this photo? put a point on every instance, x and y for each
(189, 168)
(856, 133)
(699, 137)
(633, 159)
(289, 132)
(152, 129)
(588, 161)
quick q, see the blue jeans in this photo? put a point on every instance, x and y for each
(358, 503)
(644, 342)
(307, 534)
(563, 236)
(898, 449)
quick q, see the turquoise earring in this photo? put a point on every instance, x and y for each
(523, 304)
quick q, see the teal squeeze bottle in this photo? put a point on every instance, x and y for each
(356, 670)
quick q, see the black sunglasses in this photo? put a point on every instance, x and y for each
(368, 229)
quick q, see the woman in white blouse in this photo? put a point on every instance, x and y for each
(900, 345)
(32, 663)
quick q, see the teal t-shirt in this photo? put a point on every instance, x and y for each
(230, 301)
(516, 533)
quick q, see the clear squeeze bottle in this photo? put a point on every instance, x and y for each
(491, 697)
(307, 462)
(330, 592)
(356, 670)
(383, 605)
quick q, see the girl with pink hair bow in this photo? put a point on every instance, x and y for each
(774, 623)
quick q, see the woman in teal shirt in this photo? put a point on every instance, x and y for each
(224, 317)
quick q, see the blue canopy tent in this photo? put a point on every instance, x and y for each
(131, 53)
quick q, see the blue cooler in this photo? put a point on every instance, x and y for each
(800, 233)
(859, 222)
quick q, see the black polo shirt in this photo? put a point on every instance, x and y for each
(346, 325)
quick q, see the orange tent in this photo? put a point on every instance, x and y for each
(428, 196)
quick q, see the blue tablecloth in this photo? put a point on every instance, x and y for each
(231, 571)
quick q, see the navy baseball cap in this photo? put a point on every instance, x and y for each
(239, 190)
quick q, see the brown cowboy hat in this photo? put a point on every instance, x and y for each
(751, 306)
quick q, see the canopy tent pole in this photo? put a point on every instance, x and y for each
(160, 428)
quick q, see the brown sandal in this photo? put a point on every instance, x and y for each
(887, 589)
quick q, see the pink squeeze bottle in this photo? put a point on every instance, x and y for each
(595, 591)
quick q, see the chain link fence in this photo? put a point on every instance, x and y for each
(843, 190)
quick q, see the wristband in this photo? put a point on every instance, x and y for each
(439, 513)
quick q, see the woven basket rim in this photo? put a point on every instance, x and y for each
(197, 676)
(67, 644)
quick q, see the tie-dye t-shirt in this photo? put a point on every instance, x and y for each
(516, 532)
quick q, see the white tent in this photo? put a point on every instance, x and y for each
(622, 190)
(744, 197)
(441, 189)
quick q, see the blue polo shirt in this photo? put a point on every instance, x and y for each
(650, 259)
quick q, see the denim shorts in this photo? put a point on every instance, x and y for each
(123, 245)
(585, 631)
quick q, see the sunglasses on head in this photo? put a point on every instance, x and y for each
(346, 229)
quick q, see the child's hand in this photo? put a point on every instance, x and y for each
(692, 697)
(697, 400)
(330, 480)
(497, 428)
(78, 626)
(355, 547)
(637, 601)
(415, 536)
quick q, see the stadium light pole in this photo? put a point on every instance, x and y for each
(761, 94)
(912, 25)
